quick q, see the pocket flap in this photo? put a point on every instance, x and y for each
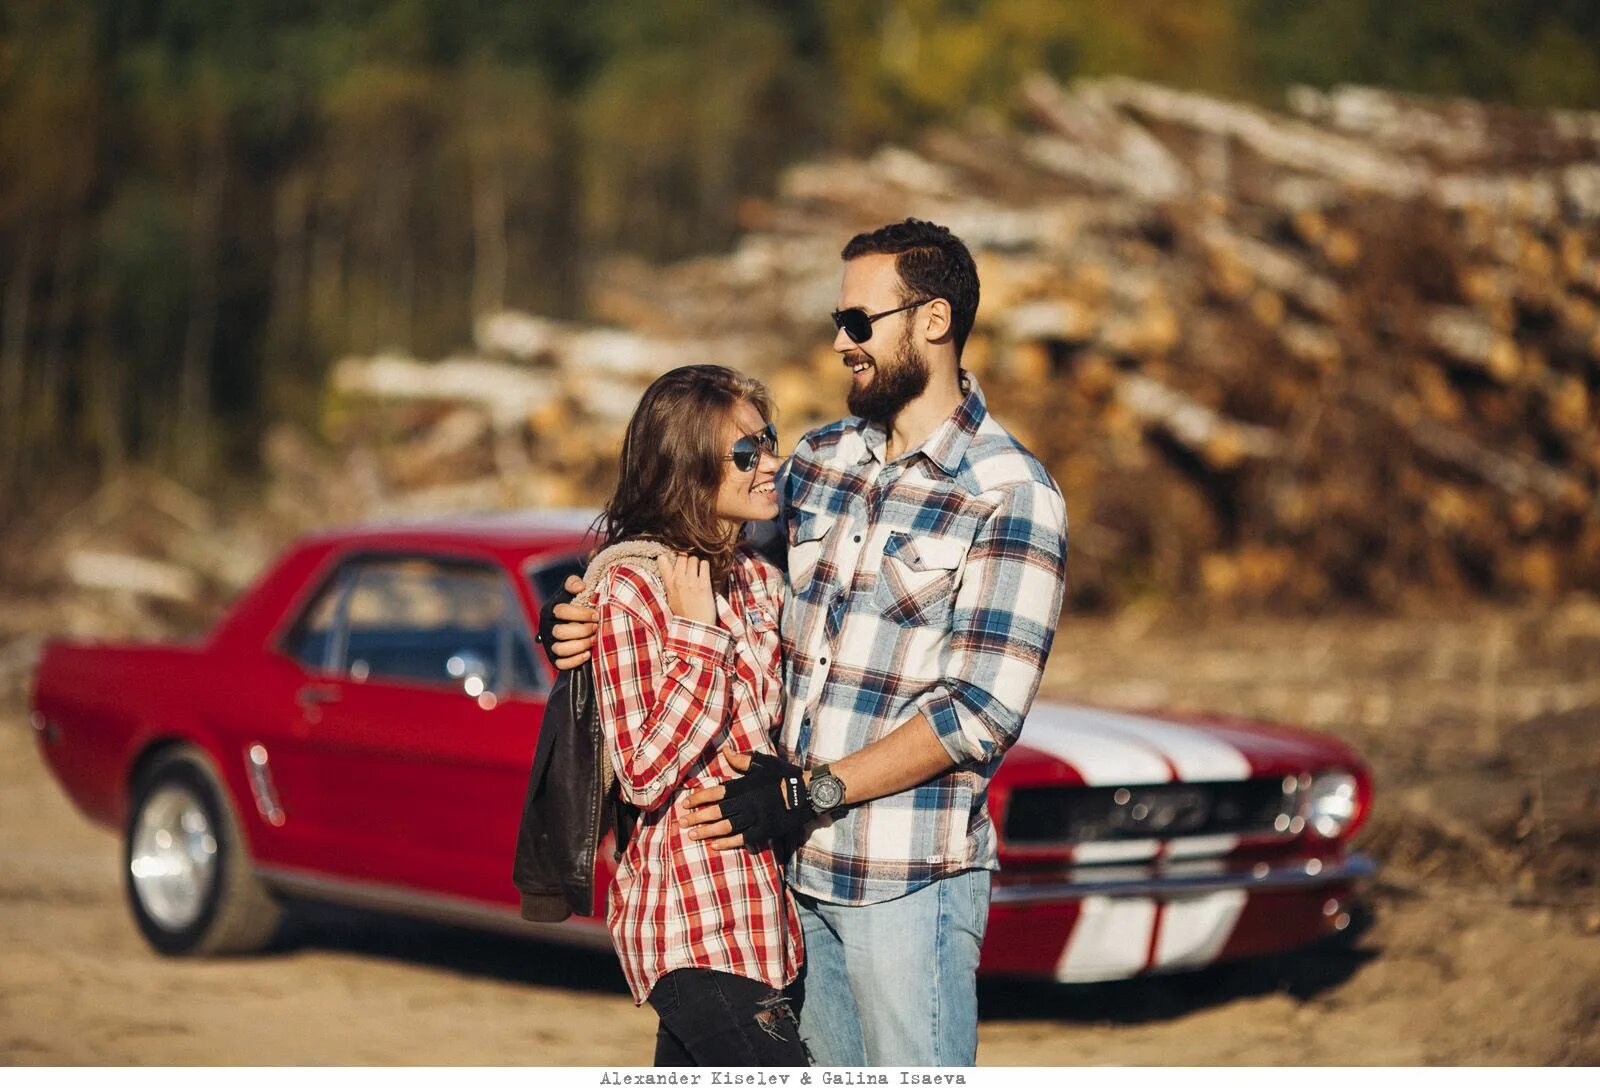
(925, 552)
(807, 525)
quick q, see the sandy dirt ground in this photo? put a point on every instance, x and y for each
(1481, 946)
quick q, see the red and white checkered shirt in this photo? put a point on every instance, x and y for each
(672, 692)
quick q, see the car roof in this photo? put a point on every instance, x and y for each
(533, 529)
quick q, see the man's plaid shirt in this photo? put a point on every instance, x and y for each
(930, 584)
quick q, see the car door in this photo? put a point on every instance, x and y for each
(414, 726)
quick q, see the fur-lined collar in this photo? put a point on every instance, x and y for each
(620, 553)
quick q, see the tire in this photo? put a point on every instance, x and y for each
(195, 892)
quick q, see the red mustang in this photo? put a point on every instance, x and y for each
(359, 729)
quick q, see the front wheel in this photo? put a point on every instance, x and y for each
(186, 866)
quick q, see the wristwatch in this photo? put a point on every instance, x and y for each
(825, 791)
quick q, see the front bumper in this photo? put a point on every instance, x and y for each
(1124, 921)
(1189, 878)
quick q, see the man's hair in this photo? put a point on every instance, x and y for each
(932, 263)
(672, 463)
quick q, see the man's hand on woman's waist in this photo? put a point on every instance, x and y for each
(908, 756)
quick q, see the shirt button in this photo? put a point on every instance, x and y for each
(858, 539)
(823, 661)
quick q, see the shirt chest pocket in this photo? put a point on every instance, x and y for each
(761, 632)
(917, 581)
(808, 536)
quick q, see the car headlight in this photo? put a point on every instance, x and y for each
(1331, 803)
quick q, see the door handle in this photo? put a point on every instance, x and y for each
(316, 694)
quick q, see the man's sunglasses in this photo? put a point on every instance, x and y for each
(747, 449)
(857, 323)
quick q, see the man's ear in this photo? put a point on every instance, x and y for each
(936, 319)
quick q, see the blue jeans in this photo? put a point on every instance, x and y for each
(895, 983)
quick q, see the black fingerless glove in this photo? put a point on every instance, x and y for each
(768, 802)
(547, 621)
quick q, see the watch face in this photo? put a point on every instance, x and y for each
(826, 792)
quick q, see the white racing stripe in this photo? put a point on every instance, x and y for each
(1109, 940)
(1111, 937)
(1095, 853)
(1201, 846)
(1198, 755)
(1194, 930)
(1101, 757)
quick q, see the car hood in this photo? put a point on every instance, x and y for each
(1070, 743)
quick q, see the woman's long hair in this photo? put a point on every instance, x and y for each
(672, 464)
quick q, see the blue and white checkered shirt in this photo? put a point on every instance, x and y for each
(931, 584)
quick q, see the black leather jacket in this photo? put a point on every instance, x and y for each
(568, 808)
(566, 813)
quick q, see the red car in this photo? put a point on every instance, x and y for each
(359, 728)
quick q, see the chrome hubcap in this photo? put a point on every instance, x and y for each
(174, 857)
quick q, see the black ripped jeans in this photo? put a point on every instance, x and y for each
(714, 1018)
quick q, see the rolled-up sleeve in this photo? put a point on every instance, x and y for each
(662, 687)
(1002, 624)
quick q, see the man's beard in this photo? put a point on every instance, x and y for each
(893, 387)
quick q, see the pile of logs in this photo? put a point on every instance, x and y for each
(1351, 351)
(141, 558)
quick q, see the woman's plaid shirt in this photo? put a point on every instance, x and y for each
(670, 693)
(931, 584)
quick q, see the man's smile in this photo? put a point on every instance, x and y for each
(858, 363)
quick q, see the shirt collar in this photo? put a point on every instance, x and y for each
(947, 446)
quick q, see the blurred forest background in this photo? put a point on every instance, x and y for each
(202, 205)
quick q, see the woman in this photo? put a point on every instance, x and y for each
(687, 660)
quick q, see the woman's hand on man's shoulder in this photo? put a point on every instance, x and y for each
(687, 581)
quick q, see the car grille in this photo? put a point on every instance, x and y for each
(1080, 814)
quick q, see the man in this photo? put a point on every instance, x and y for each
(926, 559)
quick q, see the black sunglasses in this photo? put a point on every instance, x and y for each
(747, 449)
(857, 323)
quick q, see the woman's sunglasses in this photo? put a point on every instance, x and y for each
(747, 449)
(857, 323)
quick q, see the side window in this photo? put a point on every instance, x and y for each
(524, 677)
(548, 578)
(420, 619)
(455, 623)
(310, 643)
